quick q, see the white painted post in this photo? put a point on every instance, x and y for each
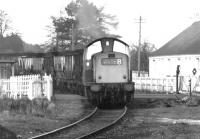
(49, 87)
(30, 90)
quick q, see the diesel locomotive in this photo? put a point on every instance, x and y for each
(106, 72)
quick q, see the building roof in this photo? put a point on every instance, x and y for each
(7, 61)
(187, 42)
(43, 54)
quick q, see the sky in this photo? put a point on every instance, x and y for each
(163, 19)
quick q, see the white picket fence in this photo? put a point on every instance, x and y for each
(167, 84)
(147, 84)
(32, 86)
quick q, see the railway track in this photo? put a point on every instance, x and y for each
(95, 123)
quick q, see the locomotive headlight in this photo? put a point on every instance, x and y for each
(88, 64)
(99, 77)
(124, 76)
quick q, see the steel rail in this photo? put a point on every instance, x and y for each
(105, 127)
(46, 134)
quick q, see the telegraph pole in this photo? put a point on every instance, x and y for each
(72, 45)
(56, 48)
(139, 45)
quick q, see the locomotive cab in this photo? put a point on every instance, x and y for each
(106, 67)
(103, 56)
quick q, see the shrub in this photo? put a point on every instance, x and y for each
(5, 104)
(37, 106)
(51, 108)
(6, 134)
(25, 105)
(22, 105)
(14, 105)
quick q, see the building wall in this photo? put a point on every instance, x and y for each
(5, 70)
(165, 66)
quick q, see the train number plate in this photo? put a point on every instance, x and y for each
(111, 61)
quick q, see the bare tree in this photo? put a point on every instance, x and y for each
(146, 50)
(4, 23)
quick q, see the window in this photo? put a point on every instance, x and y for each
(120, 47)
(93, 49)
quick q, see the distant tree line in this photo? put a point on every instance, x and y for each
(11, 43)
(146, 50)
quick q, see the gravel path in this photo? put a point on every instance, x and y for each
(142, 121)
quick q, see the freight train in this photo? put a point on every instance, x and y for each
(101, 71)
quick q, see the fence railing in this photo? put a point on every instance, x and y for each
(167, 84)
(147, 84)
(31, 86)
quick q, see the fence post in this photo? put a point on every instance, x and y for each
(48, 86)
(177, 75)
(190, 88)
(30, 91)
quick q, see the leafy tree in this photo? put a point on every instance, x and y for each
(83, 22)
